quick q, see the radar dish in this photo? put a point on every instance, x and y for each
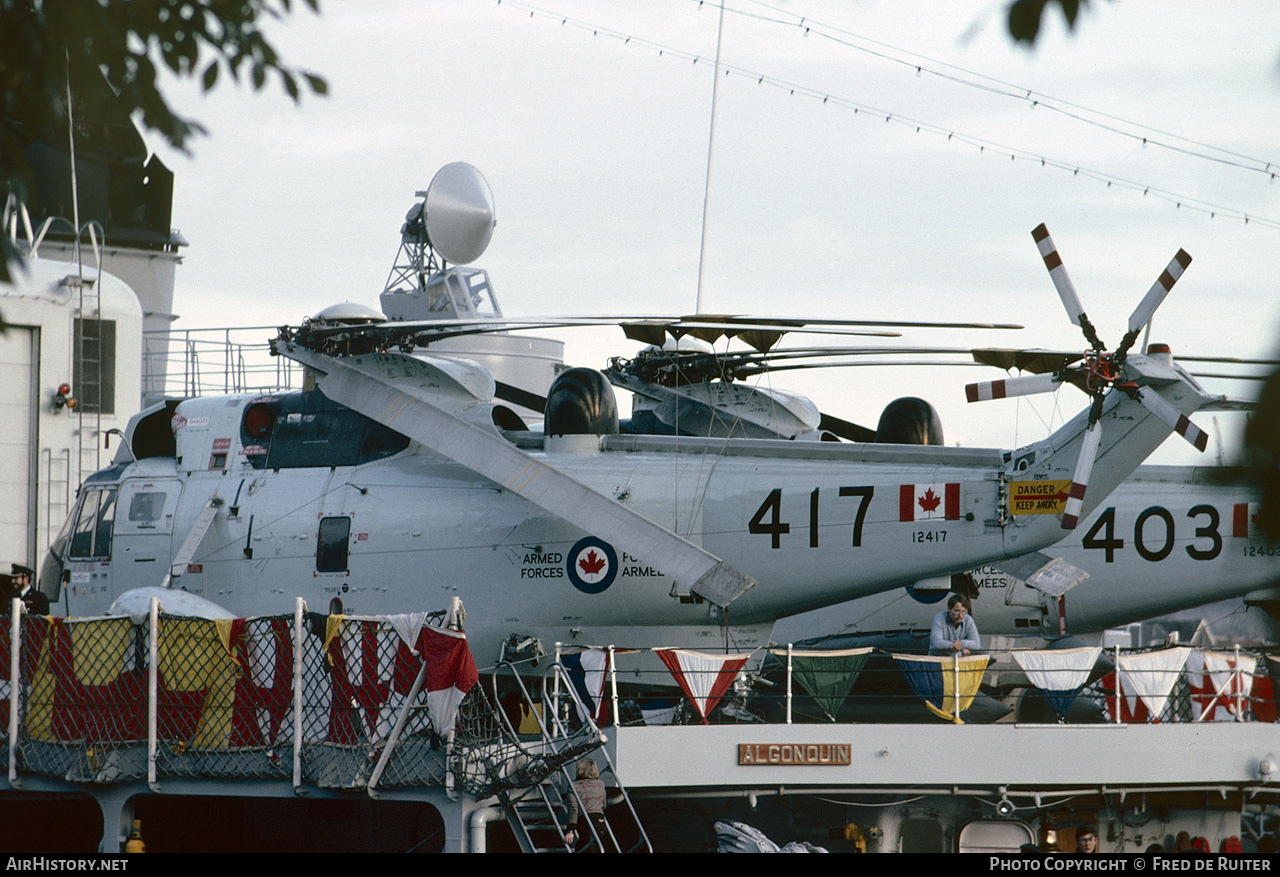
(459, 210)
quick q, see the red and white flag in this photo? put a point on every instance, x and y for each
(451, 672)
(703, 678)
(923, 502)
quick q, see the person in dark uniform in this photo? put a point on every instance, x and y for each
(18, 584)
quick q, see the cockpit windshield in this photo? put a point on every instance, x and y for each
(91, 536)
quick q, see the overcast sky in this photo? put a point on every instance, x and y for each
(595, 147)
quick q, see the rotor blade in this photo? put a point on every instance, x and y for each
(1234, 360)
(754, 370)
(517, 396)
(1079, 481)
(1052, 575)
(798, 322)
(1156, 294)
(709, 330)
(1058, 273)
(383, 388)
(1035, 360)
(1231, 377)
(846, 430)
(1025, 386)
(1222, 403)
(455, 326)
(1173, 418)
(746, 357)
(738, 322)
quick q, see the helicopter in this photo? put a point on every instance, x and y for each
(396, 480)
(1168, 538)
(389, 487)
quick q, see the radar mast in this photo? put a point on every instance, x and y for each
(451, 224)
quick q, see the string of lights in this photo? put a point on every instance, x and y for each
(924, 64)
(983, 145)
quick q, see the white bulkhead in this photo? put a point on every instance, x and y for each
(61, 331)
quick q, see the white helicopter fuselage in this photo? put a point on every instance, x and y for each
(1168, 538)
(418, 530)
(325, 504)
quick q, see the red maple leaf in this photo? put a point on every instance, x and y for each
(929, 502)
(593, 563)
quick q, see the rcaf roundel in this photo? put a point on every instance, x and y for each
(592, 565)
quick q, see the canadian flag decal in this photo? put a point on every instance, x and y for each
(922, 502)
(1240, 518)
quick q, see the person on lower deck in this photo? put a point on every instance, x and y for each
(954, 631)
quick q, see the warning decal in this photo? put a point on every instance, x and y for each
(1038, 497)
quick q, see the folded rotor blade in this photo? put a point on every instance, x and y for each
(1058, 273)
(1155, 295)
(517, 396)
(1024, 386)
(394, 390)
(1173, 418)
(1079, 481)
(846, 430)
(1035, 361)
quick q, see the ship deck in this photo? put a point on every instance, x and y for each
(156, 713)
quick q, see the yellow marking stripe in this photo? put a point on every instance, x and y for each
(400, 410)
(511, 483)
(384, 417)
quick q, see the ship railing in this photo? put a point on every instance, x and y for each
(307, 699)
(215, 361)
(785, 685)
(331, 700)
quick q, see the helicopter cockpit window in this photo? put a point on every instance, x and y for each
(310, 430)
(331, 552)
(91, 537)
(146, 508)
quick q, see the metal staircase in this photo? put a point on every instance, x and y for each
(566, 733)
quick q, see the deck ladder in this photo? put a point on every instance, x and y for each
(566, 733)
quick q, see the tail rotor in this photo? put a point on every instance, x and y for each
(1099, 370)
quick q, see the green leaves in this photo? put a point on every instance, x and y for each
(210, 77)
(1025, 16)
(316, 84)
(43, 43)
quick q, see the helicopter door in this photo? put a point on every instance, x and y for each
(88, 552)
(144, 532)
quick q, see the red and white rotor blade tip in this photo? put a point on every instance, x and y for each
(1155, 295)
(1079, 481)
(1173, 418)
(1024, 386)
(1058, 273)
